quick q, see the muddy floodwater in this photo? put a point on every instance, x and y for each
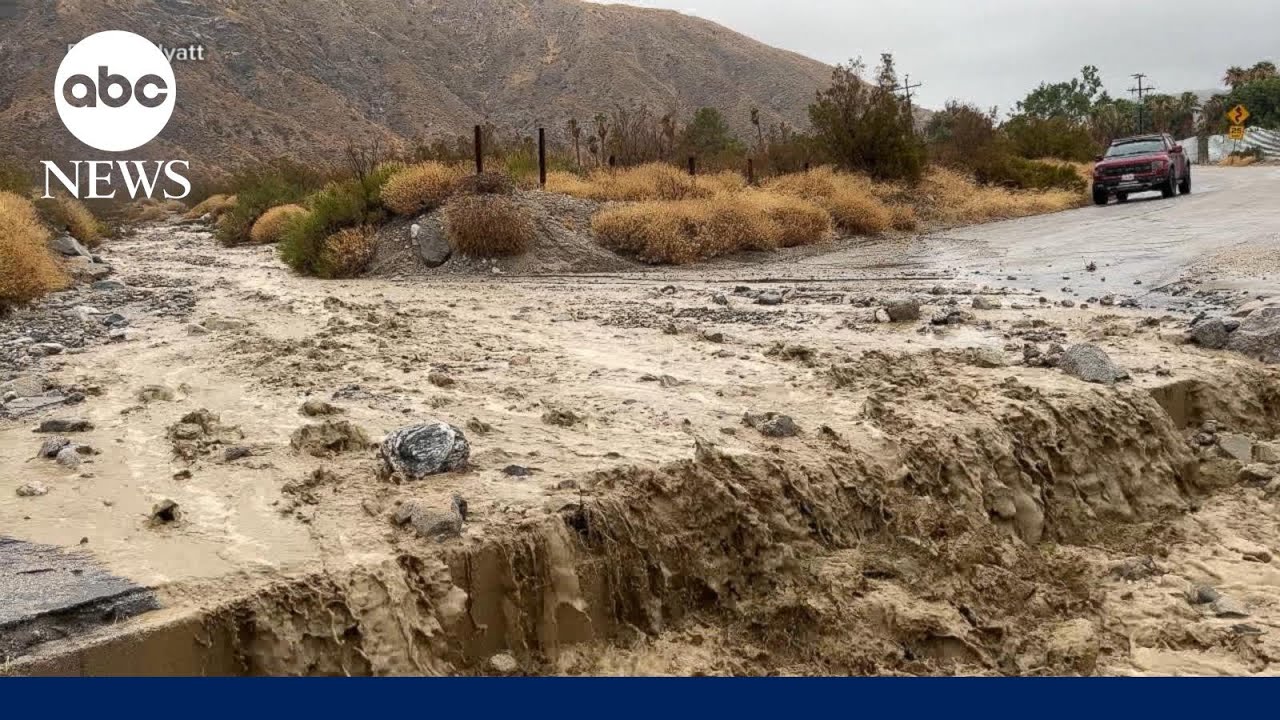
(865, 458)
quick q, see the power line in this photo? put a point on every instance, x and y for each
(1142, 95)
(906, 87)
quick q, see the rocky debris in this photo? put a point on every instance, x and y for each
(882, 316)
(330, 438)
(1203, 595)
(772, 424)
(238, 452)
(433, 247)
(59, 426)
(1257, 474)
(86, 269)
(304, 491)
(155, 393)
(503, 664)
(115, 320)
(166, 512)
(1237, 447)
(769, 297)
(194, 329)
(1211, 334)
(64, 244)
(417, 451)
(432, 524)
(479, 427)
(218, 323)
(109, 285)
(1091, 363)
(441, 380)
(50, 448)
(561, 417)
(985, 357)
(1259, 335)
(34, 488)
(516, 471)
(319, 408)
(45, 349)
(1257, 556)
(981, 302)
(666, 381)
(720, 299)
(199, 433)
(1268, 453)
(903, 311)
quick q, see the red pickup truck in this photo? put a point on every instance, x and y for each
(1138, 164)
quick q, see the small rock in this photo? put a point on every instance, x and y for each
(1258, 556)
(115, 320)
(1268, 453)
(479, 427)
(1091, 267)
(1237, 447)
(769, 297)
(33, 489)
(238, 452)
(1091, 363)
(1203, 595)
(108, 285)
(1211, 334)
(222, 323)
(319, 408)
(1226, 607)
(986, 357)
(117, 335)
(64, 244)
(51, 447)
(720, 299)
(165, 512)
(430, 524)
(68, 457)
(1135, 568)
(772, 424)
(155, 393)
(441, 380)
(45, 349)
(561, 417)
(193, 329)
(503, 664)
(516, 471)
(983, 303)
(330, 438)
(1107, 300)
(903, 311)
(882, 316)
(1259, 335)
(64, 426)
(421, 450)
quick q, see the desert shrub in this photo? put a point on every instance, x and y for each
(14, 179)
(215, 205)
(258, 189)
(268, 228)
(27, 267)
(654, 181)
(851, 200)
(419, 188)
(955, 199)
(723, 181)
(486, 183)
(487, 226)
(1015, 172)
(150, 214)
(868, 128)
(903, 217)
(683, 231)
(337, 206)
(1055, 137)
(858, 212)
(67, 213)
(567, 183)
(346, 253)
(798, 221)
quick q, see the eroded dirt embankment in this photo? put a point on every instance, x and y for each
(943, 508)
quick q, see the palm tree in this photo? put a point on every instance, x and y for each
(1235, 77)
(1262, 71)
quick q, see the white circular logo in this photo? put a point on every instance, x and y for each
(115, 91)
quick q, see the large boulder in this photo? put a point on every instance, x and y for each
(1259, 336)
(66, 245)
(903, 311)
(421, 450)
(1212, 334)
(1091, 363)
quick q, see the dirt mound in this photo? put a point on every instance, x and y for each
(563, 243)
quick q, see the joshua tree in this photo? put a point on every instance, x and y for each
(575, 132)
(602, 132)
(755, 120)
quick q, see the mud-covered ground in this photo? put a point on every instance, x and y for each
(941, 501)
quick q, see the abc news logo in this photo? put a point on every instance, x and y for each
(115, 92)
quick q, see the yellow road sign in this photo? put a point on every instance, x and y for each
(1238, 114)
(1237, 132)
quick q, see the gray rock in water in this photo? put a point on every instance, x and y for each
(1211, 334)
(720, 299)
(155, 393)
(1203, 595)
(1091, 363)
(1226, 607)
(115, 320)
(903, 311)
(772, 424)
(1259, 335)
(33, 489)
(1257, 474)
(769, 298)
(66, 245)
(421, 450)
(317, 408)
(433, 246)
(108, 285)
(64, 426)
(45, 349)
(1237, 447)
(981, 302)
(51, 447)
(882, 316)
(68, 457)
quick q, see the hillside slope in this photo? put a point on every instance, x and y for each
(299, 77)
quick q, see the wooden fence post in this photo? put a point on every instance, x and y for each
(479, 151)
(542, 158)
(751, 172)
(693, 165)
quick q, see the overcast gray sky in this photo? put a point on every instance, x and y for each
(992, 52)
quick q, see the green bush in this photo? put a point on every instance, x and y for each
(1055, 137)
(339, 205)
(1021, 174)
(259, 189)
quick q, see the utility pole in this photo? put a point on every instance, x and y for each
(906, 87)
(1142, 95)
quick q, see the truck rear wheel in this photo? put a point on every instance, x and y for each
(1185, 186)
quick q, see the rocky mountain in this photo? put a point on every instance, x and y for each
(301, 77)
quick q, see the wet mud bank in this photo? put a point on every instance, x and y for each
(979, 524)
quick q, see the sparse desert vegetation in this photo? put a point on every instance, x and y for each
(269, 228)
(66, 213)
(487, 225)
(27, 267)
(421, 187)
(214, 205)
